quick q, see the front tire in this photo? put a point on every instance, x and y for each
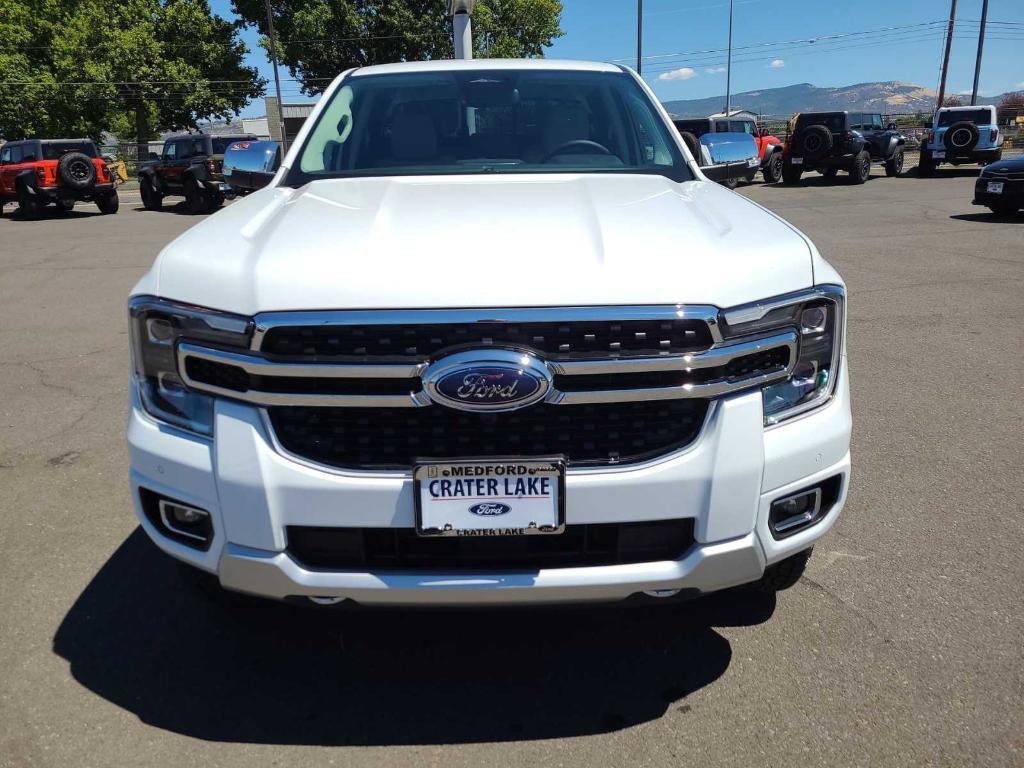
(29, 205)
(729, 183)
(772, 172)
(926, 165)
(152, 200)
(65, 206)
(860, 169)
(894, 165)
(196, 200)
(108, 204)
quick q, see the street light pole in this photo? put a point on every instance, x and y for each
(462, 27)
(981, 46)
(639, 37)
(728, 68)
(277, 78)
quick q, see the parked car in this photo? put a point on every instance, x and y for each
(961, 135)
(190, 165)
(769, 148)
(543, 361)
(36, 173)
(723, 157)
(830, 142)
(249, 165)
(1000, 187)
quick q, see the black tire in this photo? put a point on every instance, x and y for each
(108, 204)
(894, 165)
(829, 173)
(152, 200)
(215, 201)
(791, 174)
(961, 137)
(196, 198)
(1004, 209)
(860, 168)
(925, 164)
(772, 171)
(729, 183)
(784, 574)
(749, 178)
(64, 205)
(692, 143)
(76, 171)
(815, 141)
(30, 206)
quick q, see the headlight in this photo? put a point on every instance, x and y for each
(817, 316)
(155, 327)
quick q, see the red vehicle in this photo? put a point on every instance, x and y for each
(38, 172)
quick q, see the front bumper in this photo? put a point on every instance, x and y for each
(726, 481)
(1013, 192)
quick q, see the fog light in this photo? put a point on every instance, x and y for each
(793, 512)
(813, 320)
(189, 522)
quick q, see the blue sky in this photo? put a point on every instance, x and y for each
(890, 41)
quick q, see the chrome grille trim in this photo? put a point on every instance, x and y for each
(715, 356)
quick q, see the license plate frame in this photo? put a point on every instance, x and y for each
(435, 525)
(994, 188)
(796, 160)
(939, 155)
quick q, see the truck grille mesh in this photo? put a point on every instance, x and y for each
(393, 438)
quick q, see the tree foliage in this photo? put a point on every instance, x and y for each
(952, 100)
(318, 39)
(1011, 107)
(79, 67)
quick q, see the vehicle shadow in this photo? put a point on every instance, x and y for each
(992, 218)
(51, 214)
(179, 208)
(247, 670)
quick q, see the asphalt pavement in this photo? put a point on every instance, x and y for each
(902, 645)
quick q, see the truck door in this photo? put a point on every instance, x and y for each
(170, 168)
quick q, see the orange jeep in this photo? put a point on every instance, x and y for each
(37, 172)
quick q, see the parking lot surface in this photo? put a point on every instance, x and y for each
(902, 646)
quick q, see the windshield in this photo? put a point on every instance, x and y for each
(54, 150)
(488, 121)
(976, 116)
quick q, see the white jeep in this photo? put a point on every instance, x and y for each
(489, 336)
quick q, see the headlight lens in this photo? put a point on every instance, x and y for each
(155, 327)
(818, 317)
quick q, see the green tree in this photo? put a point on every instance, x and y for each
(131, 66)
(318, 39)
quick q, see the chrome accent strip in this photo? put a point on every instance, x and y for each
(748, 313)
(804, 517)
(166, 520)
(260, 366)
(266, 321)
(715, 356)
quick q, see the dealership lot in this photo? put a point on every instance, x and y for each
(902, 646)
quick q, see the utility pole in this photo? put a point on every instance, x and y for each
(945, 57)
(981, 46)
(639, 37)
(277, 79)
(728, 68)
(462, 27)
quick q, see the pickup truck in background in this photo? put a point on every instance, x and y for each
(190, 165)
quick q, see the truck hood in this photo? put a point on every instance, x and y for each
(484, 241)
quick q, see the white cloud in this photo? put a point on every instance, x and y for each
(683, 73)
(715, 70)
(777, 64)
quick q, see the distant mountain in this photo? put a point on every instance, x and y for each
(890, 98)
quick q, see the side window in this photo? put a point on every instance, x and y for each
(876, 122)
(171, 150)
(15, 155)
(742, 126)
(198, 147)
(28, 153)
(856, 121)
(184, 149)
(721, 126)
(5, 156)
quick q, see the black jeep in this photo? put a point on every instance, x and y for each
(190, 165)
(830, 142)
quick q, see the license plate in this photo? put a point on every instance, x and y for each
(490, 498)
(939, 155)
(995, 187)
(796, 160)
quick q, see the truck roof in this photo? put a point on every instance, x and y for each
(447, 65)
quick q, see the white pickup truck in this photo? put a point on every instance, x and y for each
(489, 336)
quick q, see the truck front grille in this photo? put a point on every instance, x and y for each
(393, 438)
(401, 549)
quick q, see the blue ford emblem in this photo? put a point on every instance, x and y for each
(490, 509)
(491, 380)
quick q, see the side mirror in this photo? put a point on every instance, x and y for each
(251, 165)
